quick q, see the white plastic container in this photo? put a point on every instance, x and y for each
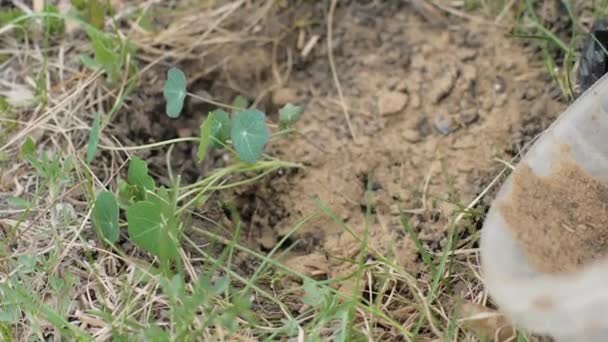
(576, 303)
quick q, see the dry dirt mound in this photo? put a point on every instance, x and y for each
(433, 111)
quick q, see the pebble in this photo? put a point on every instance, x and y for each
(466, 55)
(468, 117)
(411, 135)
(392, 102)
(443, 86)
(284, 95)
(500, 85)
(445, 124)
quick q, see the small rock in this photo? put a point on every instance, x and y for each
(445, 124)
(392, 102)
(284, 95)
(416, 102)
(267, 238)
(423, 127)
(401, 85)
(467, 54)
(411, 135)
(468, 117)
(443, 86)
(500, 85)
(530, 94)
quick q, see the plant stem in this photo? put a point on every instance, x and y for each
(153, 145)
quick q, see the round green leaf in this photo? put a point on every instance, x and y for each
(175, 92)
(249, 134)
(105, 216)
(152, 232)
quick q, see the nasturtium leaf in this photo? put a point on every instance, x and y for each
(249, 134)
(165, 201)
(175, 92)
(93, 138)
(151, 231)
(288, 115)
(105, 216)
(221, 128)
(137, 175)
(240, 102)
(205, 138)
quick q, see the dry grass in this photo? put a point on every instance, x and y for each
(110, 293)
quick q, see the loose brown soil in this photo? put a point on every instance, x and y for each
(561, 220)
(433, 109)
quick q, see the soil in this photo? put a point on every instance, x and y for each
(561, 220)
(433, 109)
(430, 116)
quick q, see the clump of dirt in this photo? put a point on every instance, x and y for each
(561, 219)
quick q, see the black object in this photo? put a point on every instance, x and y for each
(593, 63)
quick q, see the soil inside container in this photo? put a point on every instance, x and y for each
(561, 220)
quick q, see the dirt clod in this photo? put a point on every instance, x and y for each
(284, 95)
(444, 83)
(392, 102)
(561, 220)
(411, 135)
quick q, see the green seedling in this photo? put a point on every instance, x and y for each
(240, 103)
(91, 11)
(105, 216)
(289, 115)
(138, 176)
(175, 92)
(206, 136)
(151, 214)
(249, 134)
(246, 129)
(220, 130)
(54, 25)
(52, 168)
(110, 54)
(152, 230)
(93, 138)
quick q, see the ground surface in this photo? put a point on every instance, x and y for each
(412, 118)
